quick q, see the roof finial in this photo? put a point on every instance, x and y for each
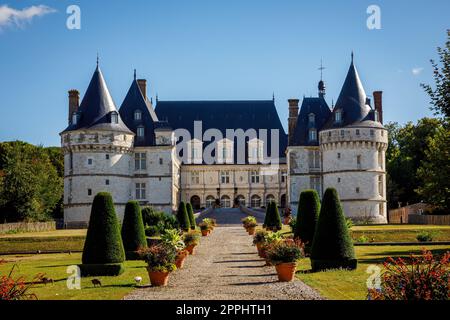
(352, 56)
(321, 69)
(273, 95)
(157, 97)
(134, 74)
(97, 60)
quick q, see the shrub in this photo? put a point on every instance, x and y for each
(293, 224)
(190, 212)
(152, 217)
(421, 277)
(272, 237)
(425, 236)
(273, 221)
(332, 246)
(183, 217)
(160, 257)
(103, 244)
(171, 222)
(260, 237)
(191, 238)
(349, 223)
(307, 215)
(362, 239)
(247, 220)
(133, 233)
(285, 251)
(152, 231)
(204, 226)
(173, 237)
(210, 222)
(15, 289)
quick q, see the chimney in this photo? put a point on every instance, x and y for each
(292, 120)
(378, 101)
(74, 102)
(143, 87)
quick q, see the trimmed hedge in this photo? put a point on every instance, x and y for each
(183, 217)
(190, 211)
(272, 219)
(332, 247)
(307, 215)
(103, 244)
(133, 233)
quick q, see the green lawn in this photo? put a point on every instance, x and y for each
(399, 233)
(351, 285)
(55, 266)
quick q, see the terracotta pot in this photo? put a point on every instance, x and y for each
(258, 247)
(251, 231)
(286, 220)
(205, 233)
(262, 252)
(181, 257)
(210, 230)
(157, 278)
(191, 248)
(286, 271)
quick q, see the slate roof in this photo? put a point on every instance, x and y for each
(317, 106)
(96, 108)
(222, 115)
(134, 100)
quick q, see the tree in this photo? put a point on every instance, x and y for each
(31, 186)
(190, 211)
(273, 219)
(440, 95)
(183, 217)
(435, 171)
(307, 215)
(133, 233)
(103, 252)
(332, 246)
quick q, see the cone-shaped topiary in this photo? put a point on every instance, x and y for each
(103, 251)
(273, 221)
(332, 247)
(190, 211)
(133, 232)
(183, 217)
(266, 216)
(307, 215)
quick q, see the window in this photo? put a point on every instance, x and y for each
(225, 176)
(140, 131)
(255, 201)
(107, 182)
(312, 135)
(339, 180)
(195, 177)
(269, 199)
(225, 201)
(90, 161)
(329, 133)
(339, 155)
(89, 192)
(357, 189)
(254, 176)
(314, 183)
(210, 201)
(372, 132)
(137, 115)
(376, 116)
(342, 133)
(255, 152)
(314, 159)
(194, 152)
(380, 159)
(224, 153)
(358, 161)
(114, 117)
(357, 132)
(107, 156)
(283, 176)
(140, 191)
(140, 161)
(311, 119)
(380, 185)
(74, 118)
(338, 116)
(160, 161)
(381, 209)
(241, 200)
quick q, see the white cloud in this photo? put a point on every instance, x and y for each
(417, 71)
(10, 16)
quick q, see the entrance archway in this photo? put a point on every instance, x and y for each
(283, 201)
(195, 202)
(255, 201)
(225, 201)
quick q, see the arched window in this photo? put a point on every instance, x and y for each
(338, 116)
(140, 131)
(225, 201)
(137, 115)
(114, 117)
(311, 119)
(241, 200)
(255, 201)
(195, 202)
(312, 135)
(210, 201)
(269, 199)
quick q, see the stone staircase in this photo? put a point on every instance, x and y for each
(229, 216)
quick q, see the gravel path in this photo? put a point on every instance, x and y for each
(226, 267)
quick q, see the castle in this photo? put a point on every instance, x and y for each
(160, 156)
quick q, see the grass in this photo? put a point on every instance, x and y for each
(400, 233)
(351, 285)
(55, 266)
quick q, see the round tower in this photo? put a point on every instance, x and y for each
(97, 150)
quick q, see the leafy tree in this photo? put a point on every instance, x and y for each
(183, 217)
(133, 233)
(31, 186)
(307, 215)
(440, 95)
(190, 211)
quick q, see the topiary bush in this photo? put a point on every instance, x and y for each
(307, 215)
(103, 252)
(133, 233)
(183, 217)
(266, 216)
(190, 211)
(332, 246)
(273, 219)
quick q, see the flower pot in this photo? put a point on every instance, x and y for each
(251, 231)
(158, 278)
(258, 247)
(190, 248)
(181, 257)
(205, 233)
(210, 230)
(286, 271)
(286, 220)
(262, 252)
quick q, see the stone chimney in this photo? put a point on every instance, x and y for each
(292, 120)
(143, 87)
(378, 101)
(74, 102)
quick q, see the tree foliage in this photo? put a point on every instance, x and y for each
(183, 217)
(133, 233)
(307, 215)
(190, 211)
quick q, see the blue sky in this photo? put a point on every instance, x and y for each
(204, 49)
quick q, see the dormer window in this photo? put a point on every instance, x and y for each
(74, 118)
(137, 115)
(311, 119)
(338, 116)
(114, 117)
(376, 116)
(312, 135)
(140, 131)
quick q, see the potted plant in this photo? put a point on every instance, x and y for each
(259, 239)
(284, 255)
(160, 260)
(191, 240)
(287, 217)
(270, 239)
(251, 226)
(210, 223)
(247, 220)
(172, 237)
(204, 228)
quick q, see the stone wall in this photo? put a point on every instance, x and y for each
(27, 227)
